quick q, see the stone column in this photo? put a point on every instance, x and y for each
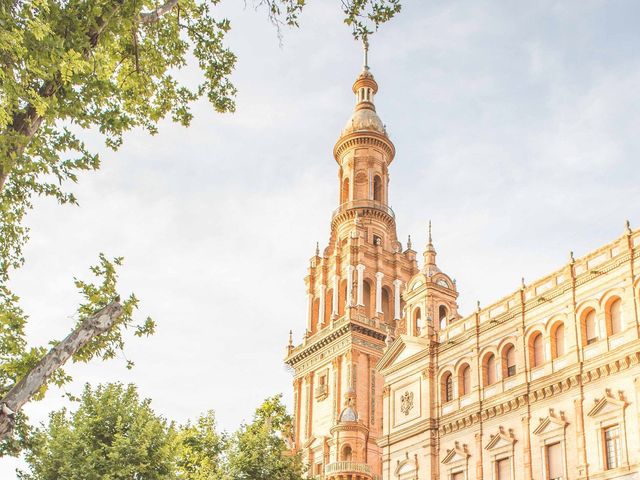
(526, 437)
(334, 303)
(349, 299)
(309, 429)
(323, 300)
(580, 437)
(360, 269)
(379, 277)
(396, 299)
(337, 384)
(297, 414)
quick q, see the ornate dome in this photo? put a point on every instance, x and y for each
(364, 119)
(349, 415)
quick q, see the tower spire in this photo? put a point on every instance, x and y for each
(430, 254)
(365, 48)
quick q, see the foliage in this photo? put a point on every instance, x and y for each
(113, 435)
(202, 448)
(17, 358)
(111, 66)
(259, 449)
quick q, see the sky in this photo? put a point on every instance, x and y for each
(516, 129)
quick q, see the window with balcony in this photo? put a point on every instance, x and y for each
(347, 454)
(555, 469)
(322, 388)
(611, 436)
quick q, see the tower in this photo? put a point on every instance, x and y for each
(355, 306)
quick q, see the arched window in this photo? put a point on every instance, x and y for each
(315, 324)
(377, 188)
(346, 453)
(366, 298)
(328, 306)
(342, 297)
(386, 305)
(464, 380)
(447, 387)
(536, 350)
(557, 343)
(589, 327)
(509, 361)
(489, 369)
(615, 316)
(345, 191)
(442, 316)
(417, 321)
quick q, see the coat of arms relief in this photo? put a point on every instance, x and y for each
(406, 402)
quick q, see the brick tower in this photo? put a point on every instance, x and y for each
(354, 306)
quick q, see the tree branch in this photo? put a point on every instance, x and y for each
(26, 388)
(155, 15)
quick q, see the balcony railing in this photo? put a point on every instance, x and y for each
(347, 467)
(364, 204)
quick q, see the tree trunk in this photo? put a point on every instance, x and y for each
(26, 388)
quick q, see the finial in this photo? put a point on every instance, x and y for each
(628, 227)
(291, 338)
(317, 249)
(409, 243)
(571, 257)
(430, 239)
(365, 47)
(478, 305)
(522, 284)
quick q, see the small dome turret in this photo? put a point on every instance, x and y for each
(364, 117)
(349, 413)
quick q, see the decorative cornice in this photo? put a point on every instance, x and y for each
(366, 138)
(350, 326)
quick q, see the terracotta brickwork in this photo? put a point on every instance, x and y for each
(354, 305)
(391, 382)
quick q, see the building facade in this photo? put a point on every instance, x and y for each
(391, 382)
